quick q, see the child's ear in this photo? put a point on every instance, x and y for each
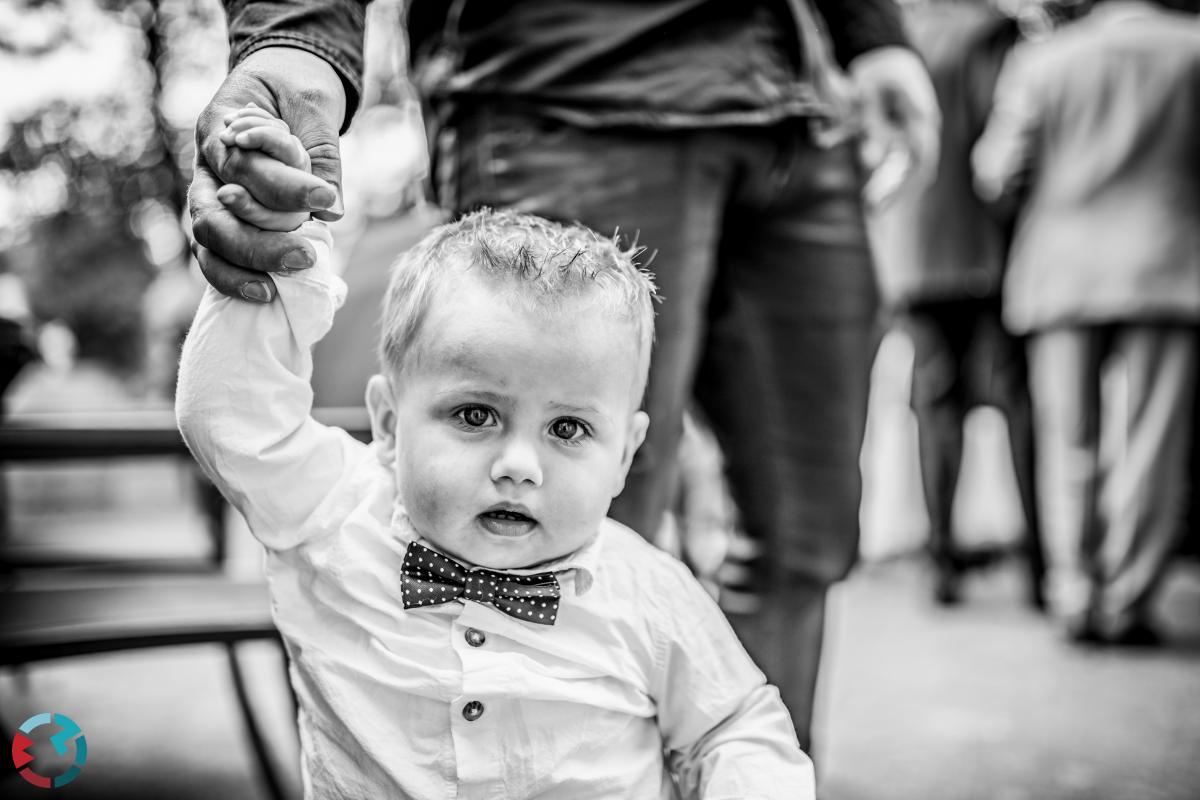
(637, 434)
(381, 407)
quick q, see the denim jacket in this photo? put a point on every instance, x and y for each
(667, 63)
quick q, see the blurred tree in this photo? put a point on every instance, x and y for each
(95, 155)
(96, 147)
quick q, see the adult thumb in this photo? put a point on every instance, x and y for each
(312, 102)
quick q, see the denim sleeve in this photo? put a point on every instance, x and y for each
(331, 29)
(856, 26)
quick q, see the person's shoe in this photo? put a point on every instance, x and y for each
(1035, 596)
(1036, 600)
(1140, 634)
(947, 586)
(1081, 629)
(979, 558)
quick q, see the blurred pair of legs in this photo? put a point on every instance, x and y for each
(1113, 409)
(963, 359)
(758, 245)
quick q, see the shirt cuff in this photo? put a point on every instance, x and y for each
(312, 296)
(330, 29)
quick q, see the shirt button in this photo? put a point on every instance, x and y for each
(475, 638)
(473, 711)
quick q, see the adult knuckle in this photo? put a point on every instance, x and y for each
(324, 151)
(203, 226)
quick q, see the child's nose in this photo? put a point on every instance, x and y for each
(518, 462)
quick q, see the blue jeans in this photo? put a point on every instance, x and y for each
(768, 321)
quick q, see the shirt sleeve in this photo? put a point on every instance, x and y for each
(856, 26)
(1003, 159)
(726, 732)
(244, 401)
(331, 29)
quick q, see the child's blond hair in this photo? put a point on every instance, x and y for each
(532, 261)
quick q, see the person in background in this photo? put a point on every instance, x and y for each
(941, 255)
(1093, 135)
(715, 132)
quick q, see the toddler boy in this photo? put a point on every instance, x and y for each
(461, 618)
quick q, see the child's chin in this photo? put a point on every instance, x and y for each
(511, 560)
(498, 553)
(525, 557)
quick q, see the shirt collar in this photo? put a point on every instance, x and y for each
(580, 564)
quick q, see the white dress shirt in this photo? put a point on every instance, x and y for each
(639, 690)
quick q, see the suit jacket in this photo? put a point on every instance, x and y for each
(1098, 129)
(940, 243)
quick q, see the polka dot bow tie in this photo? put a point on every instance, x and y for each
(429, 578)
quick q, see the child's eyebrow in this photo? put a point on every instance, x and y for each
(567, 408)
(475, 394)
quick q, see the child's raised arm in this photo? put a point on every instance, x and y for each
(244, 398)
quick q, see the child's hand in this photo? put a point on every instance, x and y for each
(254, 129)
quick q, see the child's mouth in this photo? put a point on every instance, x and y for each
(507, 522)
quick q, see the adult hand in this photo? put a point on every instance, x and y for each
(235, 255)
(901, 121)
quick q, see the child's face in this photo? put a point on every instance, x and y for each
(510, 432)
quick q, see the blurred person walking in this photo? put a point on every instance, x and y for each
(709, 129)
(1094, 133)
(941, 256)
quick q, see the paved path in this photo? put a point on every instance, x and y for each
(983, 702)
(986, 702)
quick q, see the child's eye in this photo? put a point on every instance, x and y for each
(476, 416)
(568, 429)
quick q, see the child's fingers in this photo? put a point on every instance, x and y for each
(236, 126)
(239, 124)
(246, 208)
(276, 143)
(249, 111)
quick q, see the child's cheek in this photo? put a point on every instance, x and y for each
(426, 499)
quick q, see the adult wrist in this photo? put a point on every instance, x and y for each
(314, 78)
(331, 30)
(341, 84)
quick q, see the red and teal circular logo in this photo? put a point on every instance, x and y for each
(35, 761)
